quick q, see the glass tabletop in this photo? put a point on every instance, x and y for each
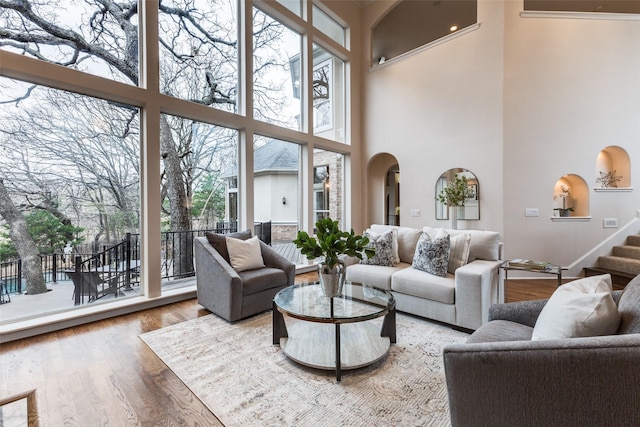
(357, 303)
(531, 265)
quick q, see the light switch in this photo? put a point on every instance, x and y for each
(531, 212)
(415, 212)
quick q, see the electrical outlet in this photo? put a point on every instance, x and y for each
(610, 223)
(415, 212)
(531, 212)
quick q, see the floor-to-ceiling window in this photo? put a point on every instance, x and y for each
(133, 121)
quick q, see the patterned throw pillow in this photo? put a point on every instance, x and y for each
(383, 244)
(432, 253)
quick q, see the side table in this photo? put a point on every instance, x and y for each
(530, 266)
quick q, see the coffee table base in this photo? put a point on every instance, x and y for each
(314, 344)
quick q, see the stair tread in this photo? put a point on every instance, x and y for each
(628, 265)
(612, 272)
(626, 251)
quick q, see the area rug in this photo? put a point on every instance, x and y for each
(247, 381)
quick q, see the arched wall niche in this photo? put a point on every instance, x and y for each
(377, 172)
(570, 197)
(613, 169)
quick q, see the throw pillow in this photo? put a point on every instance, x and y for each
(383, 244)
(581, 308)
(432, 253)
(219, 242)
(244, 254)
(458, 252)
(407, 240)
(629, 308)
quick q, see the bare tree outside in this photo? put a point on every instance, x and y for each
(78, 157)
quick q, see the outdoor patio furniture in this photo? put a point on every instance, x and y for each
(4, 293)
(93, 285)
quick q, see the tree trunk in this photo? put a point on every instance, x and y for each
(27, 250)
(179, 203)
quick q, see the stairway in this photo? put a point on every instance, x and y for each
(623, 264)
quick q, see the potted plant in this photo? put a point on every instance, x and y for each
(331, 243)
(455, 194)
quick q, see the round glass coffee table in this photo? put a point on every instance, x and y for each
(315, 338)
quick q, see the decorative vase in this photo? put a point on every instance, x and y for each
(332, 278)
(453, 217)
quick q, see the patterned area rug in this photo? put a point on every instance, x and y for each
(246, 381)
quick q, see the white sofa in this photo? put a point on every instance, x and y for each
(462, 299)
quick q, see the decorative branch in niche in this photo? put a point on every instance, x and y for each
(609, 179)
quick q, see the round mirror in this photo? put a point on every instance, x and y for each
(470, 208)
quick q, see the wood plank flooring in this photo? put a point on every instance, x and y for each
(103, 374)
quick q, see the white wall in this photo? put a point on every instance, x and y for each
(519, 102)
(436, 110)
(572, 88)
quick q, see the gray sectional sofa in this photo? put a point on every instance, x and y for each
(501, 377)
(461, 298)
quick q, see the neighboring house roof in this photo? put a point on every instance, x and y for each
(275, 155)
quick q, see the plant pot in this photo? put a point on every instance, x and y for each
(453, 217)
(332, 278)
(565, 212)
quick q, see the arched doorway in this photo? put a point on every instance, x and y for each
(383, 190)
(392, 196)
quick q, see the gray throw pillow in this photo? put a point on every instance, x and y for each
(383, 245)
(432, 253)
(219, 241)
(629, 308)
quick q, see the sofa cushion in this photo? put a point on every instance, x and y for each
(244, 254)
(411, 281)
(458, 251)
(629, 308)
(374, 275)
(432, 253)
(407, 240)
(501, 331)
(483, 244)
(219, 242)
(383, 245)
(580, 308)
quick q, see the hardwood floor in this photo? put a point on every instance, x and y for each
(103, 374)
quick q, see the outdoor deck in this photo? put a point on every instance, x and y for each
(61, 293)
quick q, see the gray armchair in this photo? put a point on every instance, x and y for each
(499, 377)
(234, 296)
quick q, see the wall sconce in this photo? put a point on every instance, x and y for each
(284, 200)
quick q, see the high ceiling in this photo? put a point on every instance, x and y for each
(603, 6)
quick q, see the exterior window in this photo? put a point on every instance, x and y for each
(199, 52)
(328, 95)
(71, 170)
(113, 36)
(87, 174)
(321, 186)
(328, 26)
(273, 85)
(294, 6)
(328, 179)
